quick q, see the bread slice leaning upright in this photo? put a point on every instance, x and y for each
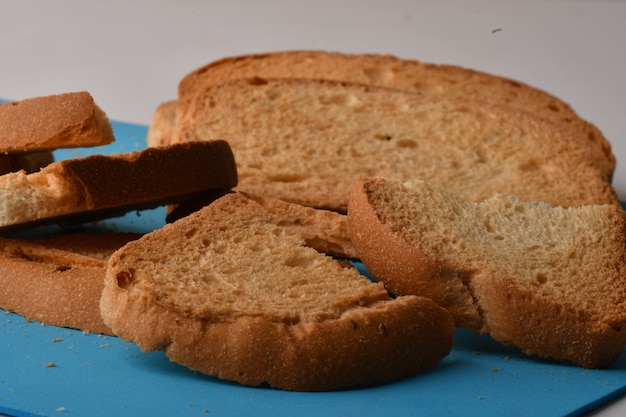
(226, 292)
(549, 280)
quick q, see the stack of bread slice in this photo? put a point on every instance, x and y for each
(506, 170)
(59, 280)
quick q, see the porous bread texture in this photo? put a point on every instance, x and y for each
(226, 292)
(127, 181)
(325, 231)
(306, 141)
(58, 280)
(549, 280)
(50, 122)
(427, 79)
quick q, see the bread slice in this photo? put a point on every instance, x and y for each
(549, 280)
(50, 122)
(97, 186)
(226, 292)
(430, 80)
(48, 282)
(306, 141)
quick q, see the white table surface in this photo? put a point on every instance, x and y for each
(131, 54)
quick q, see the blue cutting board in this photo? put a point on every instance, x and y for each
(95, 375)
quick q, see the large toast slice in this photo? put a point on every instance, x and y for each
(226, 292)
(426, 79)
(549, 280)
(96, 186)
(51, 122)
(306, 141)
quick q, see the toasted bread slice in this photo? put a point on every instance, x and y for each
(58, 121)
(58, 280)
(226, 292)
(97, 186)
(426, 79)
(306, 141)
(549, 280)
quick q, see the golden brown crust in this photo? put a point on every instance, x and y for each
(51, 122)
(361, 348)
(55, 286)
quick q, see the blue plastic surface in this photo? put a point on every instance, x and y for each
(95, 375)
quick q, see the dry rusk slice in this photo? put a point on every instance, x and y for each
(227, 292)
(96, 186)
(550, 280)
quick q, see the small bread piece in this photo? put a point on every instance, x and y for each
(549, 280)
(306, 141)
(56, 286)
(226, 292)
(429, 80)
(162, 125)
(59, 121)
(96, 186)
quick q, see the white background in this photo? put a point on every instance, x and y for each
(131, 54)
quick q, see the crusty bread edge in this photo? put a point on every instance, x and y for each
(52, 286)
(380, 343)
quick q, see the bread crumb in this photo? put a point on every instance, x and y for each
(495, 369)
(51, 365)
(56, 339)
(61, 409)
